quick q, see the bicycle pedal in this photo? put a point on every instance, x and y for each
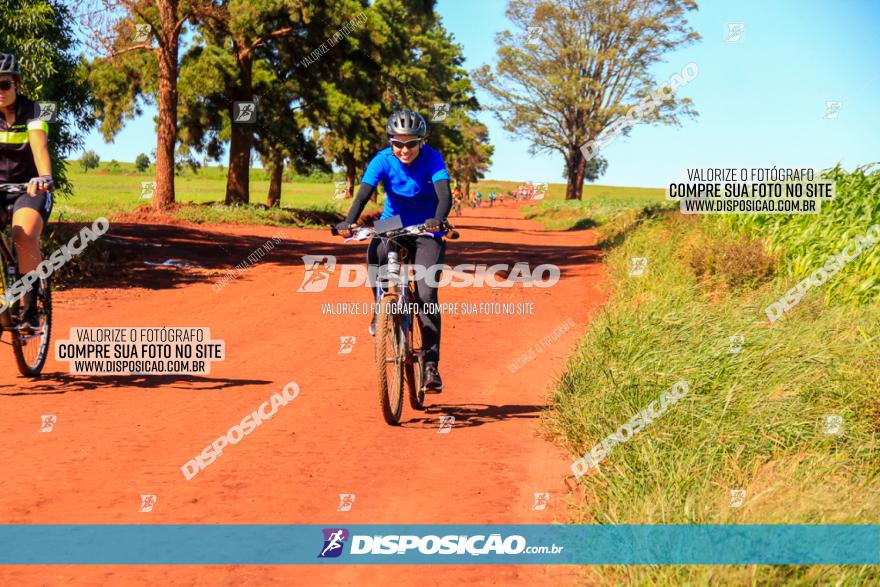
(28, 331)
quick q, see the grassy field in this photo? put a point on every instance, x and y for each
(600, 204)
(105, 191)
(756, 417)
(117, 189)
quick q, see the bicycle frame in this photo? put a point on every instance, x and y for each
(398, 275)
(10, 267)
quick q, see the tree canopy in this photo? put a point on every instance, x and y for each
(575, 67)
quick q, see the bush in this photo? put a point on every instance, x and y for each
(89, 160)
(142, 163)
(113, 166)
(734, 261)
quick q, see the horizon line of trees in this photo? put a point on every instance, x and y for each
(324, 77)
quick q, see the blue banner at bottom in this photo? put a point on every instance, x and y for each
(205, 544)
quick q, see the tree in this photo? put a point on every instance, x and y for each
(595, 168)
(89, 160)
(214, 75)
(142, 162)
(236, 31)
(279, 135)
(129, 67)
(400, 57)
(343, 106)
(584, 72)
(469, 157)
(38, 32)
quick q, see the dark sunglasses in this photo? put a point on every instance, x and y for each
(409, 144)
(6, 84)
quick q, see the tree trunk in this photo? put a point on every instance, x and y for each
(350, 173)
(242, 138)
(163, 197)
(579, 176)
(467, 189)
(274, 197)
(574, 187)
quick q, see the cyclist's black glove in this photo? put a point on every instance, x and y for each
(433, 225)
(344, 229)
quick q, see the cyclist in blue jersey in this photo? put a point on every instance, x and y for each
(417, 189)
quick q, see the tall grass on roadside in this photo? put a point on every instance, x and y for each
(753, 419)
(807, 240)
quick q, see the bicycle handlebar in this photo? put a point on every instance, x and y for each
(449, 231)
(12, 188)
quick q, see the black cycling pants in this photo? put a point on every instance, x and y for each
(429, 251)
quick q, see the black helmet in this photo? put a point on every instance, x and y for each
(406, 122)
(9, 64)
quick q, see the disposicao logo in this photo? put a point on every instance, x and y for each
(334, 540)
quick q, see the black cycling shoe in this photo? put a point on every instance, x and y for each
(30, 320)
(433, 383)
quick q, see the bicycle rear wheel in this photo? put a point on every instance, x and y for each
(32, 349)
(390, 356)
(415, 366)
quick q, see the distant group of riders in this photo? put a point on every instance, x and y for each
(475, 199)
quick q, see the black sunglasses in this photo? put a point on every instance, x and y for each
(6, 84)
(409, 144)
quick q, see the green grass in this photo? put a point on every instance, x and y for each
(105, 192)
(807, 241)
(306, 202)
(600, 204)
(752, 420)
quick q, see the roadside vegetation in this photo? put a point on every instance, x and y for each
(601, 204)
(792, 417)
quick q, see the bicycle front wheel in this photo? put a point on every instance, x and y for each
(31, 349)
(390, 357)
(415, 366)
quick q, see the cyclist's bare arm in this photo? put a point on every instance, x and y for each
(39, 143)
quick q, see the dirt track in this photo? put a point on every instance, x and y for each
(116, 438)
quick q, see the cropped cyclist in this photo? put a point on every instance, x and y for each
(417, 189)
(24, 158)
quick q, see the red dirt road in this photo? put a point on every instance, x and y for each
(116, 438)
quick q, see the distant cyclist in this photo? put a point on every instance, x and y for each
(24, 158)
(416, 188)
(456, 200)
(492, 197)
(479, 198)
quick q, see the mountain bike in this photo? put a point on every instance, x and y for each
(30, 347)
(399, 355)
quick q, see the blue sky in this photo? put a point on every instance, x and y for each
(761, 101)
